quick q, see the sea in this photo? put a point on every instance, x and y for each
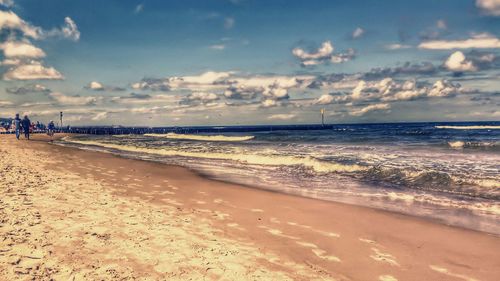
(446, 172)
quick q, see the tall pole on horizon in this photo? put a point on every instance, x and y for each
(61, 117)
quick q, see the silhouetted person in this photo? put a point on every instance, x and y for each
(26, 123)
(17, 125)
(51, 128)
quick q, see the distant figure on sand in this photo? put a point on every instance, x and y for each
(17, 125)
(51, 128)
(26, 124)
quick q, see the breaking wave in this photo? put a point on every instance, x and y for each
(471, 144)
(477, 127)
(255, 159)
(201, 137)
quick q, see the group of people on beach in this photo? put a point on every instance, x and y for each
(25, 126)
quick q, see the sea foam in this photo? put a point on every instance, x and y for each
(201, 137)
(255, 159)
(477, 127)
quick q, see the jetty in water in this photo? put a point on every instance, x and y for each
(119, 130)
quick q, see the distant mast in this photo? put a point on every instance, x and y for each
(61, 117)
(322, 117)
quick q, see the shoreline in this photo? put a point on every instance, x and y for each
(298, 237)
(436, 220)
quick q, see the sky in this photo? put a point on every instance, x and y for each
(229, 62)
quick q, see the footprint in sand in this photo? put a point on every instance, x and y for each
(278, 232)
(171, 201)
(447, 272)
(221, 216)
(306, 244)
(202, 193)
(387, 278)
(299, 225)
(384, 257)
(274, 220)
(324, 233)
(235, 226)
(167, 192)
(368, 241)
(321, 254)
(220, 201)
(257, 210)
(200, 202)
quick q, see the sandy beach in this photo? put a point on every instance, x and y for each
(69, 214)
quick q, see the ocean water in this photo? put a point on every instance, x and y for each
(449, 172)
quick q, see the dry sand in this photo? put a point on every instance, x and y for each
(68, 214)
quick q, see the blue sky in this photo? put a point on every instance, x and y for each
(247, 61)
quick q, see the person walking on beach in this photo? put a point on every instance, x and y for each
(50, 129)
(26, 124)
(17, 125)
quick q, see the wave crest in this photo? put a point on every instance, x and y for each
(477, 127)
(201, 137)
(255, 159)
(471, 144)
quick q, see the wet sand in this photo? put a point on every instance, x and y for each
(70, 214)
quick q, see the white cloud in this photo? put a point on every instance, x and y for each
(281, 117)
(73, 100)
(33, 70)
(358, 32)
(275, 92)
(21, 49)
(229, 22)
(443, 88)
(369, 108)
(30, 88)
(268, 87)
(208, 77)
(218, 47)
(204, 81)
(10, 62)
(9, 20)
(100, 116)
(94, 85)
(323, 54)
(98, 86)
(202, 97)
(17, 53)
(397, 46)
(477, 41)
(69, 31)
(458, 63)
(139, 8)
(358, 90)
(324, 51)
(325, 99)
(5, 103)
(269, 103)
(389, 90)
(489, 7)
